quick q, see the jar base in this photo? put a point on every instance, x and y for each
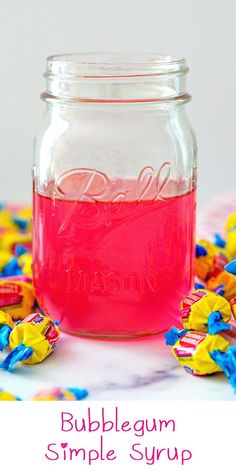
(112, 337)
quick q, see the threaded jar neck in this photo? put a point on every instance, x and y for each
(115, 77)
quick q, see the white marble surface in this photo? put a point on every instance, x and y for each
(116, 370)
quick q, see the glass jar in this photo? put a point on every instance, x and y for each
(114, 194)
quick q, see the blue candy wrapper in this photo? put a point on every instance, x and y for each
(173, 335)
(231, 267)
(5, 332)
(215, 323)
(227, 362)
(20, 353)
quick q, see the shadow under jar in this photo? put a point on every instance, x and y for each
(114, 194)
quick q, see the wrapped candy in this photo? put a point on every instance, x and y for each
(25, 262)
(193, 350)
(199, 283)
(10, 239)
(203, 310)
(17, 278)
(22, 218)
(231, 268)
(219, 241)
(209, 261)
(231, 271)
(10, 268)
(61, 394)
(50, 394)
(231, 243)
(233, 306)
(6, 222)
(15, 227)
(230, 223)
(15, 218)
(9, 265)
(227, 362)
(6, 396)
(16, 298)
(32, 340)
(6, 327)
(230, 228)
(19, 250)
(5, 257)
(224, 284)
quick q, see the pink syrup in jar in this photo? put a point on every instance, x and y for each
(113, 268)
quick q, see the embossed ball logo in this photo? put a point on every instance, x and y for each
(85, 184)
(91, 186)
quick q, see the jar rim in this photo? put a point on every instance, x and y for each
(114, 64)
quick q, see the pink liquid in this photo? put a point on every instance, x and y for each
(113, 269)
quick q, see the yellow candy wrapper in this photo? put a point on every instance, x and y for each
(233, 306)
(8, 397)
(224, 283)
(17, 298)
(6, 222)
(5, 257)
(32, 340)
(25, 262)
(9, 241)
(22, 218)
(230, 228)
(6, 319)
(203, 310)
(15, 218)
(230, 222)
(231, 243)
(6, 326)
(209, 261)
(193, 350)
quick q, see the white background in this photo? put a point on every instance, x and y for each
(202, 31)
(207, 429)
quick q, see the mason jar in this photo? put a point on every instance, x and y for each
(114, 194)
